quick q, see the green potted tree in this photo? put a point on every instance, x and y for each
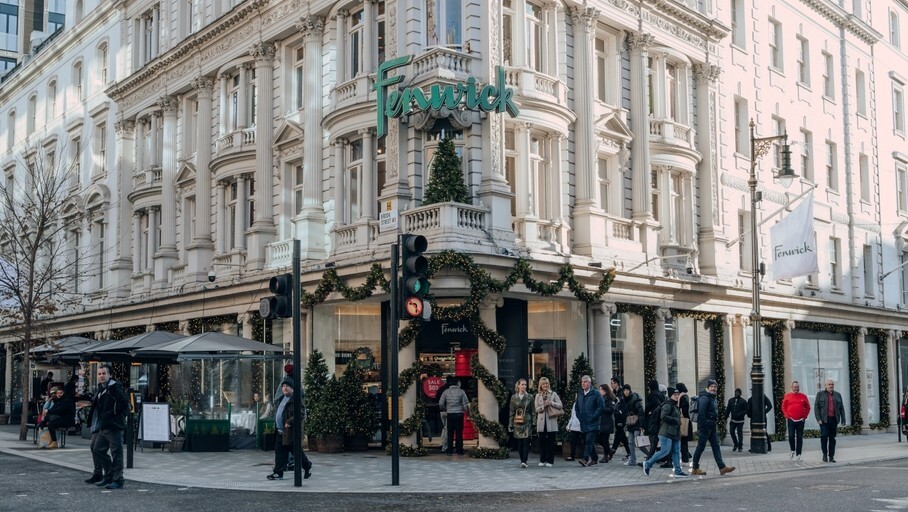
(326, 417)
(314, 380)
(446, 182)
(580, 368)
(360, 421)
(178, 407)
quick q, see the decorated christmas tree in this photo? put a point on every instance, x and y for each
(581, 367)
(360, 412)
(446, 182)
(316, 376)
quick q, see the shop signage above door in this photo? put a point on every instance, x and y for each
(396, 103)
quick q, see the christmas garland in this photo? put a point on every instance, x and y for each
(713, 322)
(489, 453)
(412, 424)
(489, 381)
(648, 313)
(409, 333)
(777, 357)
(331, 282)
(408, 376)
(882, 350)
(854, 370)
(487, 427)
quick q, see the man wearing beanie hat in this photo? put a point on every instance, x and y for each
(654, 399)
(669, 435)
(707, 429)
(284, 425)
(735, 413)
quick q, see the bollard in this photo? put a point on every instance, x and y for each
(130, 439)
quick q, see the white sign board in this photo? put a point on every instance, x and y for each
(387, 218)
(155, 421)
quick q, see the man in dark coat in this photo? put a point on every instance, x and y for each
(108, 421)
(707, 431)
(654, 399)
(284, 425)
(589, 405)
(829, 410)
(735, 413)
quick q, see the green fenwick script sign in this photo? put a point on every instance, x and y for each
(395, 103)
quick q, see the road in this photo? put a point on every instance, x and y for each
(27, 485)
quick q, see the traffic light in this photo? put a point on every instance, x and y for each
(414, 281)
(281, 304)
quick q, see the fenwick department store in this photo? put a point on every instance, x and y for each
(660, 318)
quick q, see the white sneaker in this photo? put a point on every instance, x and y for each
(548, 464)
(629, 463)
(800, 459)
(542, 464)
(523, 465)
(792, 455)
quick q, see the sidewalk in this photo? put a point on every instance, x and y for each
(370, 472)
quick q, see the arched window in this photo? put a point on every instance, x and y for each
(103, 64)
(78, 90)
(31, 114)
(51, 100)
(78, 11)
(11, 130)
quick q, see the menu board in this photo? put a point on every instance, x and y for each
(155, 421)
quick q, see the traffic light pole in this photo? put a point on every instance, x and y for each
(394, 343)
(297, 370)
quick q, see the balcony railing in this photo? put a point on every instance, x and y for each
(237, 140)
(280, 254)
(670, 132)
(355, 237)
(150, 177)
(441, 62)
(533, 84)
(449, 220)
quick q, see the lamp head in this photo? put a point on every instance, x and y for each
(786, 174)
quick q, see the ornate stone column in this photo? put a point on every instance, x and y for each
(738, 354)
(262, 231)
(310, 224)
(140, 133)
(340, 38)
(121, 267)
(602, 340)
(199, 251)
(711, 237)
(221, 219)
(136, 241)
(661, 350)
(245, 319)
(242, 103)
(223, 109)
(368, 36)
(367, 199)
(639, 44)
(154, 148)
(166, 256)
(340, 206)
(151, 239)
(488, 404)
(240, 213)
(585, 172)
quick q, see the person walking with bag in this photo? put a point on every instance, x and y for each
(735, 413)
(521, 419)
(795, 408)
(606, 421)
(548, 409)
(687, 432)
(620, 433)
(454, 402)
(669, 435)
(589, 404)
(707, 431)
(285, 423)
(632, 422)
(829, 410)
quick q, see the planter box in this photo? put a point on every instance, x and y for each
(331, 444)
(208, 435)
(357, 443)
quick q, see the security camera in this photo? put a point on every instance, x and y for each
(211, 276)
(690, 270)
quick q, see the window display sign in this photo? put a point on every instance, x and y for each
(431, 385)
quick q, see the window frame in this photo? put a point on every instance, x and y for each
(828, 76)
(895, 29)
(776, 50)
(804, 61)
(864, 176)
(860, 88)
(832, 175)
(898, 108)
(835, 263)
(807, 160)
(738, 22)
(869, 274)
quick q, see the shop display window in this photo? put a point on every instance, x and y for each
(817, 356)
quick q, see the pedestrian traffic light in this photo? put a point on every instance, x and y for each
(281, 304)
(414, 281)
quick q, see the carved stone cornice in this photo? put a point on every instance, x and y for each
(263, 52)
(126, 128)
(312, 27)
(608, 308)
(641, 42)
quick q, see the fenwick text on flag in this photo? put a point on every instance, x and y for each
(794, 251)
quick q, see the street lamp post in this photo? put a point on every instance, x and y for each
(759, 146)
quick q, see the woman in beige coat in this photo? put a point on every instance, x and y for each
(548, 408)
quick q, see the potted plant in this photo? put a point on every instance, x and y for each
(314, 380)
(360, 422)
(326, 417)
(178, 407)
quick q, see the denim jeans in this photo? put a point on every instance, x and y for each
(666, 445)
(589, 446)
(796, 436)
(632, 458)
(737, 434)
(710, 435)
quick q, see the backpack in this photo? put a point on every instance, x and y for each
(655, 421)
(694, 410)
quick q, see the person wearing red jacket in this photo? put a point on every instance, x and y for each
(795, 408)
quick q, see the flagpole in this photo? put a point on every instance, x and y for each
(758, 148)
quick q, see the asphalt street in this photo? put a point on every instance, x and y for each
(28, 485)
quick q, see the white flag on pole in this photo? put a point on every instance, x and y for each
(794, 251)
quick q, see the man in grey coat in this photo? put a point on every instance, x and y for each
(829, 409)
(455, 403)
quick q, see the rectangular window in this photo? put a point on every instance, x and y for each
(775, 44)
(737, 24)
(832, 179)
(9, 26)
(297, 189)
(898, 109)
(380, 32)
(804, 61)
(864, 164)
(354, 175)
(894, 29)
(901, 187)
(828, 76)
(860, 88)
(449, 24)
(676, 205)
(835, 265)
(806, 155)
(101, 157)
(355, 42)
(603, 184)
(103, 64)
(539, 177)
(671, 92)
(299, 77)
(601, 67)
(535, 26)
(742, 135)
(56, 15)
(510, 167)
(778, 125)
(868, 271)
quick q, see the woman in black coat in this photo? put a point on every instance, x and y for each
(620, 415)
(62, 414)
(686, 435)
(606, 421)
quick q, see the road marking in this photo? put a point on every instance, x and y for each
(64, 494)
(894, 504)
(22, 495)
